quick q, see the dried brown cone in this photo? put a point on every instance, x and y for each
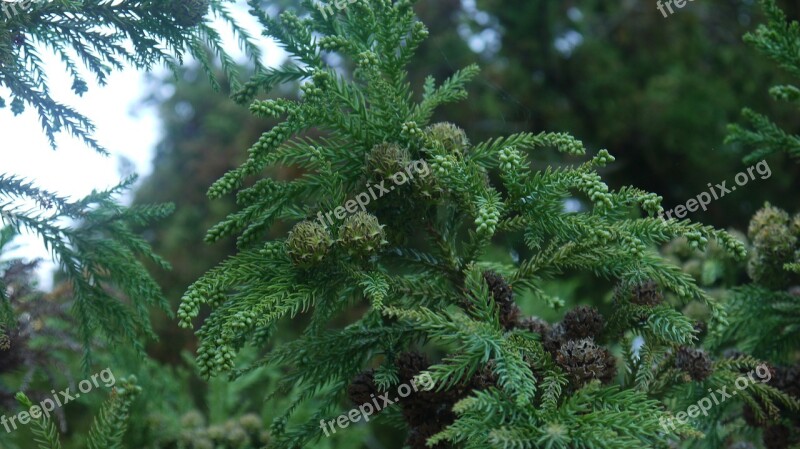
(554, 338)
(484, 378)
(409, 364)
(534, 324)
(584, 361)
(504, 298)
(12, 353)
(362, 388)
(647, 294)
(420, 406)
(583, 322)
(700, 329)
(423, 406)
(694, 362)
(787, 379)
(776, 437)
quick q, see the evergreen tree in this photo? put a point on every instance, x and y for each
(414, 262)
(100, 256)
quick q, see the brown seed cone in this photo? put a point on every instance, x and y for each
(409, 364)
(504, 298)
(424, 406)
(554, 338)
(362, 387)
(701, 329)
(483, 378)
(583, 361)
(534, 324)
(647, 294)
(11, 354)
(695, 362)
(787, 379)
(583, 322)
(776, 437)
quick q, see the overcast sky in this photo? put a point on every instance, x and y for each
(125, 127)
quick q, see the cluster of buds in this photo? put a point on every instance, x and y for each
(215, 357)
(334, 43)
(603, 158)
(367, 59)
(410, 131)
(193, 299)
(488, 218)
(595, 188)
(268, 108)
(510, 159)
(566, 143)
(245, 432)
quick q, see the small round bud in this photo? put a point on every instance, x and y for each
(251, 423)
(193, 420)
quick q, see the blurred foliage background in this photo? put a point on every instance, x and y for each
(656, 92)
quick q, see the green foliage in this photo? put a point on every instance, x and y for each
(102, 36)
(424, 283)
(99, 256)
(111, 422)
(109, 425)
(779, 40)
(44, 431)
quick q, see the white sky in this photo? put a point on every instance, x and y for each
(125, 127)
